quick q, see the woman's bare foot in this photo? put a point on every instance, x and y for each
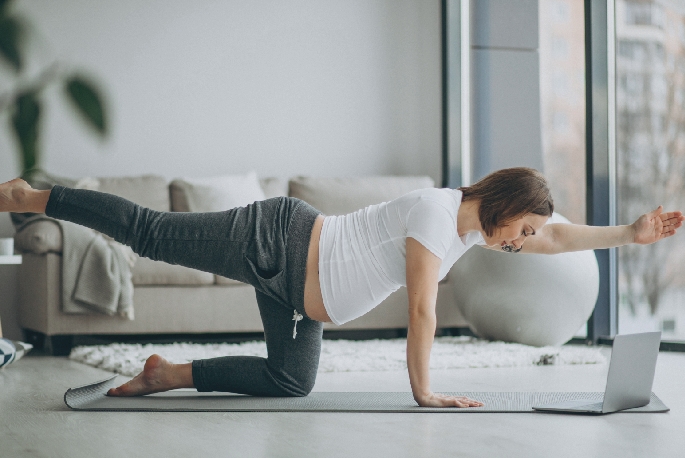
(12, 195)
(19, 197)
(158, 375)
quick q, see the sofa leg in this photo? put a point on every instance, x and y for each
(59, 345)
(35, 338)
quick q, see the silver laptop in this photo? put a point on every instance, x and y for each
(631, 374)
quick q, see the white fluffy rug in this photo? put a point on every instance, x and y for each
(347, 355)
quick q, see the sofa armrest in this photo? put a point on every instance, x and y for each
(43, 236)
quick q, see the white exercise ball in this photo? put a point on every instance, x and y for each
(533, 299)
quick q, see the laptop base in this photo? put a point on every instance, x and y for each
(594, 406)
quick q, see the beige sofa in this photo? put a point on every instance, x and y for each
(177, 300)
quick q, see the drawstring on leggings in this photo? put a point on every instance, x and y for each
(296, 317)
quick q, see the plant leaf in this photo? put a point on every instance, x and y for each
(10, 32)
(87, 101)
(25, 121)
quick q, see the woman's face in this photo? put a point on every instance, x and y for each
(515, 233)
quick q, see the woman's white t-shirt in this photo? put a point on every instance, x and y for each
(362, 255)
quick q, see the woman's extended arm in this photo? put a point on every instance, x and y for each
(560, 238)
(422, 289)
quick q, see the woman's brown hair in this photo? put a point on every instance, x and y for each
(509, 194)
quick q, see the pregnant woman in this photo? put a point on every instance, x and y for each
(308, 268)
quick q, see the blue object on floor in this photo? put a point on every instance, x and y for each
(12, 350)
(7, 351)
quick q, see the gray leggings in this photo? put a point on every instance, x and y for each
(264, 244)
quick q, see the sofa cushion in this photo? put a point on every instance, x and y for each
(150, 191)
(215, 193)
(43, 180)
(274, 187)
(339, 196)
(149, 272)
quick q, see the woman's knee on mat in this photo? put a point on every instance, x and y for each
(294, 383)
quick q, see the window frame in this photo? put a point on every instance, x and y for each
(456, 93)
(600, 144)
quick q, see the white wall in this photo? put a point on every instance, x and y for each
(200, 88)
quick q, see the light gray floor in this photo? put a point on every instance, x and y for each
(34, 422)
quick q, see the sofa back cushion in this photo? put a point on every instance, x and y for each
(150, 191)
(215, 193)
(339, 196)
(274, 187)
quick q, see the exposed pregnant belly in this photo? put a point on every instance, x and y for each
(313, 300)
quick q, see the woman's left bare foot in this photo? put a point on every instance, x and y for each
(158, 375)
(12, 195)
(19, 197)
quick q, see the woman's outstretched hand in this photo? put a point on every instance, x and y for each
(654, 226)
(443, 400)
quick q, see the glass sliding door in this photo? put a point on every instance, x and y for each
(650, 140)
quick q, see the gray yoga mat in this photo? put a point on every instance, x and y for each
(92, 397)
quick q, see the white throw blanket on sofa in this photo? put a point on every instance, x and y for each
(96, 272)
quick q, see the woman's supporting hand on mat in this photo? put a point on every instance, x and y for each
(422, 289)
(443, 400)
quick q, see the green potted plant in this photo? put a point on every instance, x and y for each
(23, 101)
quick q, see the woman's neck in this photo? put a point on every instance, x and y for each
(467, 218)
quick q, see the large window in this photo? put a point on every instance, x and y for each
(562, 103)
(612, 115)
(650, 149)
